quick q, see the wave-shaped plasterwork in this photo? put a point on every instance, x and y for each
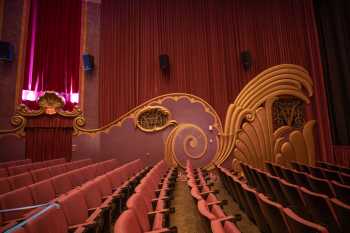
(248, 131)
(80, 121)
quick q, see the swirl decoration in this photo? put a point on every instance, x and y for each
(19, 122)
(248, 130)
(187, 142)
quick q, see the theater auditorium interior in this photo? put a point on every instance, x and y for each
(188, 116)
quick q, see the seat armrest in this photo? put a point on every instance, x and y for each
(231, 218)
(208, 192)
(162, 211)
(88, 225)
(221, 203)
(164, 230)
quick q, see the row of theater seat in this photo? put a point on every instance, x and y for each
(323, 173)
(331, 188)
(28, 178)
(208, 204)
(86, 208)
(309, 205)
(14, 163)
(41, 192)
(333, 167)
(268, 215)
(27, 167)
(149, 207)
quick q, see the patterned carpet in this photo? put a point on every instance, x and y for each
(187, 218)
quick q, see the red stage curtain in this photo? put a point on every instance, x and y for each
(342, 155)
(49, 137)
(53, 51)
(203, 40)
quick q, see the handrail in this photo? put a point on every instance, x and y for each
(34, 216)
(24, 208)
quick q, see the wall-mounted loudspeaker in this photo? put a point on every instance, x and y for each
(246, 59)
(88, 62)
(6, 51)
(164, 63)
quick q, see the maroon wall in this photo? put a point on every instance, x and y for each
(10, 147)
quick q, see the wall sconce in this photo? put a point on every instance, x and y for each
(210, 128)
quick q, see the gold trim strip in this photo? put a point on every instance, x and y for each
(83, 36)
(22, 51)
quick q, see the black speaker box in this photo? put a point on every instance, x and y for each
(6, 51)
(88, 61)
(246, 59)
(164, 62)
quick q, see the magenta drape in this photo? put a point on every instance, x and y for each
(204, 40)
(49, 137)
(53, 46)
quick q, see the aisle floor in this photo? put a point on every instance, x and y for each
(187, 218)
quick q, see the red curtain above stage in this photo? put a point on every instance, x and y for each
(53, 48)
(203, 40)
(52, 63)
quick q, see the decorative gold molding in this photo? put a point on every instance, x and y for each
(153, 119)
(83, 43)
(50, 103)
(251, 113)
(80, 121)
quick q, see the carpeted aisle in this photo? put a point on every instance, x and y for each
(187, 218)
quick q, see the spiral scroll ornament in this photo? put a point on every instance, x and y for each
(188, 142)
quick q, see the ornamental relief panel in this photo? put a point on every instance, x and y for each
(153, 118)
(288, 111)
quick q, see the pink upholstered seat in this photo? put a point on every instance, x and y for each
(61, 184)
(256, 211)
(342, 192)
(138, 205)
(345, 178)
(21, 180)
(40, 174)
(299, 225)
(272, 212)
(3, 172)
(76, 177)
(15, 199)
(57, 170)
(295, 201)
(127, 223)
(321, 209)
(52, 220)
(5, 185)
(342, 211)
(322, 186)
(276, 188)
(76, 211)
(42, 192)
(223, 226)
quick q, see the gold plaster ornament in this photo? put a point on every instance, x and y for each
(153, 118)
(50, 103)
(249, 127)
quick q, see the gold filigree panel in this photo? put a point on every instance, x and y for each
(288, 111)
(153, 118)
(50, 103)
